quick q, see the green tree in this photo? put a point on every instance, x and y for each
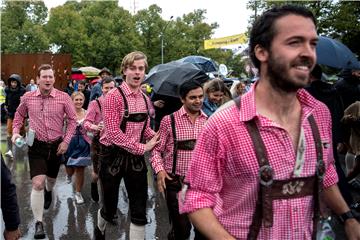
(22, 29)
(336, 19)
(67, 32)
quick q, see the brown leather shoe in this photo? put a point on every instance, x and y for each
(39, 231)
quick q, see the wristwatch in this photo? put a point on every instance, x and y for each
(347, 215)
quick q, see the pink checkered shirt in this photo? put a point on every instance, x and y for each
(93, 115)
(46, 114)
(162, 155)
(224, 172)
(113, 111)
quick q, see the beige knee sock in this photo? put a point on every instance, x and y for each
(37, 204)
(101, 222)
(137, 232)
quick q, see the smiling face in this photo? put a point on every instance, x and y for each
(193, 100)
(292, 54)
(215, 97)
(135, 74)
(78, 101)
(46, 81)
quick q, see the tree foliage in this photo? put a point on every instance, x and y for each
(336, 19)
(22, 28)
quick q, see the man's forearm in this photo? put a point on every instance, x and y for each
(334, 200)
(206, 222)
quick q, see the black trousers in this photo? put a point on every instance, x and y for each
(115, 164)
(180, 223)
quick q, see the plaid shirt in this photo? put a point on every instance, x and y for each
(223, 174)
(94, 116)
(46, 114)
(162, 155)
(113, 112)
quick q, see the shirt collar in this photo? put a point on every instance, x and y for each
(182, 112)
(127, 91)
(308, 104)
(52, 93)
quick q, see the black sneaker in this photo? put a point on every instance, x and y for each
(94, 192)
(98, 235)
(47, 198)
(39, 231)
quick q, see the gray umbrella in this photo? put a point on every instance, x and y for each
(333, 53)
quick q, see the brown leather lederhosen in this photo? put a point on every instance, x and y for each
(95, 147)
(271, 189)
(129, 117)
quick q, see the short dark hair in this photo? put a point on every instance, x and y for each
(107, 79)
(187, 86)
(263, 30)
(43, 67)
(82, 82)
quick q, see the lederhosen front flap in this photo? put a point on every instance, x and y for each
(271, 189)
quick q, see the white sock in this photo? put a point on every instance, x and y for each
(50, 183)
(37, 204)
(101, 222)
(137, 232)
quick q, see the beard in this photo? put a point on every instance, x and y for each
(279, 74)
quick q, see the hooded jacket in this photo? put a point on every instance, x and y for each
(13, 95)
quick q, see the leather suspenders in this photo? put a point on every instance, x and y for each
(271, 189)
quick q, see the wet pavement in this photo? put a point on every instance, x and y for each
(67, 220)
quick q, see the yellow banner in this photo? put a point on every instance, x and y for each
(220, 42)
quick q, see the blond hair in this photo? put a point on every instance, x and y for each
(130, 58)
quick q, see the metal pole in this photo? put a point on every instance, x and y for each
(162, 40)
(162, 48)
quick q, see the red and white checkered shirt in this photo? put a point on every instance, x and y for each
(94, 115)
(224, 171)
(46, 114)
(162, 155)
(113, 112)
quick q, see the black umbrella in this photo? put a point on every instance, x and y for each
(333, 53)
(165, 79)
(204, 63)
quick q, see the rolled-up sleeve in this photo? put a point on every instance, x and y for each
(204, 176)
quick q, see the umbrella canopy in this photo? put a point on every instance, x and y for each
(333, 53)
(165, 79)
(206, 64)
(90, 71)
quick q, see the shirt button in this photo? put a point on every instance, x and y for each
(296, 230)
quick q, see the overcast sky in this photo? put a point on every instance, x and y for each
(232, 16)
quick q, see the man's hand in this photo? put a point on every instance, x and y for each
(352, 229)
(14, 137)
(63, 146)
(12, 235)
(152, 143)
(159, 103)
(161, 176)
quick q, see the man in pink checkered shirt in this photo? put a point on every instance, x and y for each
(46, 108)
(284, 122)
(94, 123)
(122, 147)
(170, 159)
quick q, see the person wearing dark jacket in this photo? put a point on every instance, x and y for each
(348, 86)
(13, 92)
(328, 94)
(9, 205)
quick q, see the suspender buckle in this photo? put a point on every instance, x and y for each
(266, 174)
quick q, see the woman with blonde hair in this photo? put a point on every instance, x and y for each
(216, 94)
(78, 154)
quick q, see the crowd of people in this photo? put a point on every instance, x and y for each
(258, 162)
